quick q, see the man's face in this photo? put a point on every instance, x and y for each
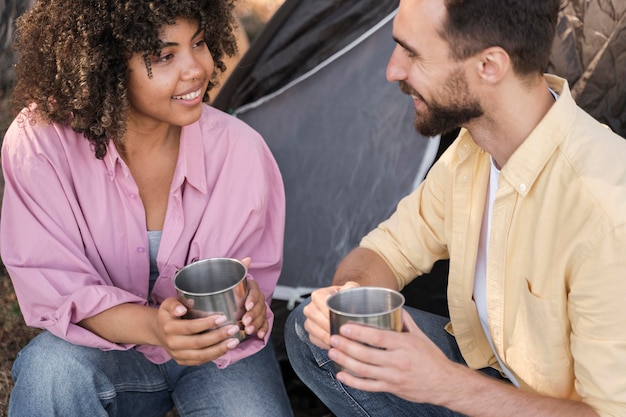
(423, 66)
(448, 108)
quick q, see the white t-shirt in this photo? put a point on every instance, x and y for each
(480, 274)
(480, 277)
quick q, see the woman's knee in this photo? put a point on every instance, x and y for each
(50, 363)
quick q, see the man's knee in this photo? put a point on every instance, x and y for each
(296, 336)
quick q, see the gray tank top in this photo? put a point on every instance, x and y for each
(154, 238)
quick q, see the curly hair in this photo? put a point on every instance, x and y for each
(525, 29)
(73, 57)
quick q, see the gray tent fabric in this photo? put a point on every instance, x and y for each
(301, 35)
(344, 140)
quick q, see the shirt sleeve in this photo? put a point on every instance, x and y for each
(597, 309)
(413, 238)
(41, 241)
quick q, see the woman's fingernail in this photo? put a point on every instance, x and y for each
(249, 306)
(246, 320)
(220, 320)
(232, 343)
(232, 330)
(261, 334)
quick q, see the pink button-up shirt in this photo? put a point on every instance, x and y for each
(73, 233)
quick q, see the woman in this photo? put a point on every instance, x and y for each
(117, 175)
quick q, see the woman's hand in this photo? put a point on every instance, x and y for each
(190, 341)
(255, 318)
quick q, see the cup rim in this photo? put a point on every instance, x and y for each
(210, 260)
(365, 288)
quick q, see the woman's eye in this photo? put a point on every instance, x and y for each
(163, 57)
(199, 43)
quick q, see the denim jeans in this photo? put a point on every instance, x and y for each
(316, 370)
(56, 378)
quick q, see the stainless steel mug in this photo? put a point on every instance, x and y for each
(214, 286)
(370, 306)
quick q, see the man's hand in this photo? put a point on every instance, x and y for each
(408, 364)
(317, 314)
(412, 367)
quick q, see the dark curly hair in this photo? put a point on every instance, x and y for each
(73, 57)
(525, 29)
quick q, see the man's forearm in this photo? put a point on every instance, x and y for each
(365, 267)
(477, 395)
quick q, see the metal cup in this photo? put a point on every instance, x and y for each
(214, 286)
(370, 306)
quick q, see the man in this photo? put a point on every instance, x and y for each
(529, 205)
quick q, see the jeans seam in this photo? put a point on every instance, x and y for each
(341, 388)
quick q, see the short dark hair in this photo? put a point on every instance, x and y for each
(525, 29)
(73, 56)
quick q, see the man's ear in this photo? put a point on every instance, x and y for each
(493, 64)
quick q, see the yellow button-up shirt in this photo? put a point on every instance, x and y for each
(556, 269)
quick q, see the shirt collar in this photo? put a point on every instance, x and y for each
(191, 158)
(190, 165)
(524, 166)
(113, 160)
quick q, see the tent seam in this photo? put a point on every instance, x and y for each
(317, 68)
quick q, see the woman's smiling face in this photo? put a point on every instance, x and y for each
(180, 77)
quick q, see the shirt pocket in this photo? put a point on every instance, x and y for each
(539, 351)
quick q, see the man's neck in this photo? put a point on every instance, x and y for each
(511, 114)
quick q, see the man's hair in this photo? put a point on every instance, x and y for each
(525, 29)
(73, 56)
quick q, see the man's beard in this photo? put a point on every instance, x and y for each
(440, 118)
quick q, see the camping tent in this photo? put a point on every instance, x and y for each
(342, 135)
(313, 84)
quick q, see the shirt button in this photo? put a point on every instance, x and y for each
(141, 249)
(522, 187)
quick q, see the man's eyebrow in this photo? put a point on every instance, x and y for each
(405, 46)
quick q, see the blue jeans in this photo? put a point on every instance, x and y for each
(316, 370)
(56, 378)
